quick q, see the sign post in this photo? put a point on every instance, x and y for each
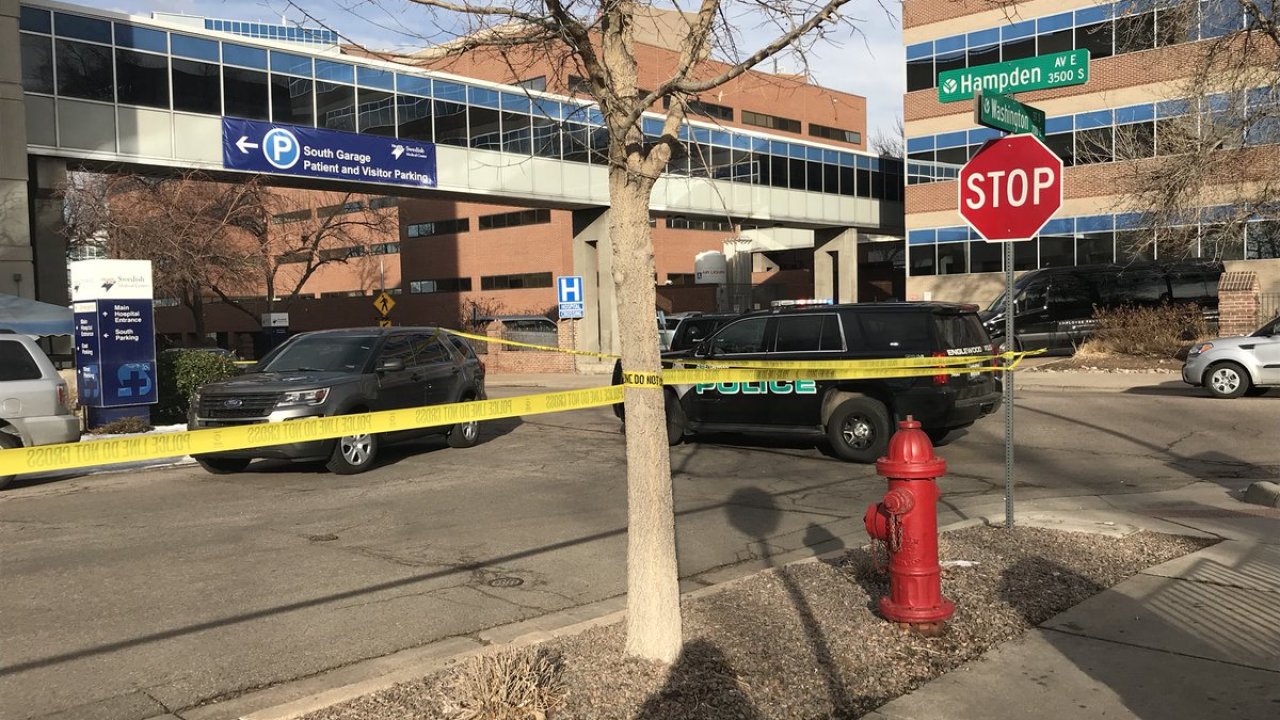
(1008, 191)
(115, 339)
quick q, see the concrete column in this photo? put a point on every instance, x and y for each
(48, 239)
(593, 260)
(735, 295)
(835, 264)
(17, 275)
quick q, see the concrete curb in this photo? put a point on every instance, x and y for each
(1263, 493)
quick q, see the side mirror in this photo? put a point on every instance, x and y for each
(390, 365)
(702, 349)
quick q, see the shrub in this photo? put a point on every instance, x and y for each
(518, 684)
(122, 426)
(1159, 331)
(181, 374)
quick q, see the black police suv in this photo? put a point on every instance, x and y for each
(341, 372)
(857, 417)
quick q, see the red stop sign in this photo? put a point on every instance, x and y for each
(1011, 188)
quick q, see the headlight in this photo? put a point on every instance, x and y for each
(1201, 348)
(303, 397)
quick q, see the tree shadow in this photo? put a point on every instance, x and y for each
(701, 684)
(755, 513)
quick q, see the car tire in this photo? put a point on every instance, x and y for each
(676, 425)
(8, 442)
(1227, 380)
(353, 454)
(859, 430)
(1256, 391)
(223, 466)
(466, 434)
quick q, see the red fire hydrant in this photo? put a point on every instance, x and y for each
(906, 521)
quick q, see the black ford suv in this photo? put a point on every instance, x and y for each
(856, 416)
(340, 372)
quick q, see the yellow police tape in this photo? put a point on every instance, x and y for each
(195, 442)
(531, 346)
(213, 440)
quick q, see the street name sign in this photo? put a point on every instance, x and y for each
(279, 149)
(1003, 113)
(1011, 188)
(1035, 73)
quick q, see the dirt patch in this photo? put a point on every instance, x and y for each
(803, 641)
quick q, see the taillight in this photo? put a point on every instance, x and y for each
(63, 401)
(995, 353)
(944, 378)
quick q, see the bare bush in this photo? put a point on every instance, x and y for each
(1153, 331)
(522, 684)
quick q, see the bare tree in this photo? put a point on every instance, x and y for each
(1214, 147)
(597, 41)
(890, 142)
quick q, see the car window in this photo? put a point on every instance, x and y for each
(744, 336)
(809, 333)
(1271, 328)
(427, 350)
(16, 363)
(962, 335)
(397, 347)
(324, 353)
(1032, 298)
(462, 345)
(1070, 298)
(897, 331)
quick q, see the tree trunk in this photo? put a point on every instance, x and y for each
(197, 314)
(653, 590)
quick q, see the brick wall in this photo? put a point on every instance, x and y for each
(1238, 297)
(504, 359)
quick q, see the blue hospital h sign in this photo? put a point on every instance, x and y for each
(569, 295)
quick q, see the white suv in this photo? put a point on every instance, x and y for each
(34, 407)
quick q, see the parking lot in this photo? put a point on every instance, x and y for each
(132, 595)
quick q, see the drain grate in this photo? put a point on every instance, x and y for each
(506, 581)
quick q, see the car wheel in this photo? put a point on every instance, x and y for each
(676, 425)
(1256, 391)
(465, 434)
(8, 442)
(859, 430)
(1227, 380)
(223, 466)
(353, 454)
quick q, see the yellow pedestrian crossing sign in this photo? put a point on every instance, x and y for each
(384, 322)
(384, 303)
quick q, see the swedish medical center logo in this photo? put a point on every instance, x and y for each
(264, 147)
(281, 148)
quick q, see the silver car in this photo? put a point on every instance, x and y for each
(1234, 366)
(34, 407)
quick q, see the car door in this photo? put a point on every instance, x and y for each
(397, 387)
(809, 336)
(436, 369)
(1071, 301)
(733, 403)
(1031, 322)
(1267, 351)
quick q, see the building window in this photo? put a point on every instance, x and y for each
(772, 122)
(84, 71)
(440, 285)
(245, 93)
(535, 83)
(682, 279)
(37, 63)
(341, 209)
(439, 227)
(335, 106)
(683, 223)
(516, 282)
(291, 217)
(512, 219)
(387, 201)
(705, 109)
(196, 86)
(292, 99)
(830, 133)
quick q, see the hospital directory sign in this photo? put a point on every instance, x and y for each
(310, 152)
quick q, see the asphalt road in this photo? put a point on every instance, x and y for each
(134, 594)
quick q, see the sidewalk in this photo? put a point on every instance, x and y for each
(1196, 637)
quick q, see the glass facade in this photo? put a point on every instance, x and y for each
(1086, 240)
(103, 60)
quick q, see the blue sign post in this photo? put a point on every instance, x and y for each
(569, 295)
(310, 152)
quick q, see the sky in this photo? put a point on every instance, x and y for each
(867, 62)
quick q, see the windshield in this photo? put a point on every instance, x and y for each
(997, 304)
(692, 331)
(1269, 329)
(323, 353)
